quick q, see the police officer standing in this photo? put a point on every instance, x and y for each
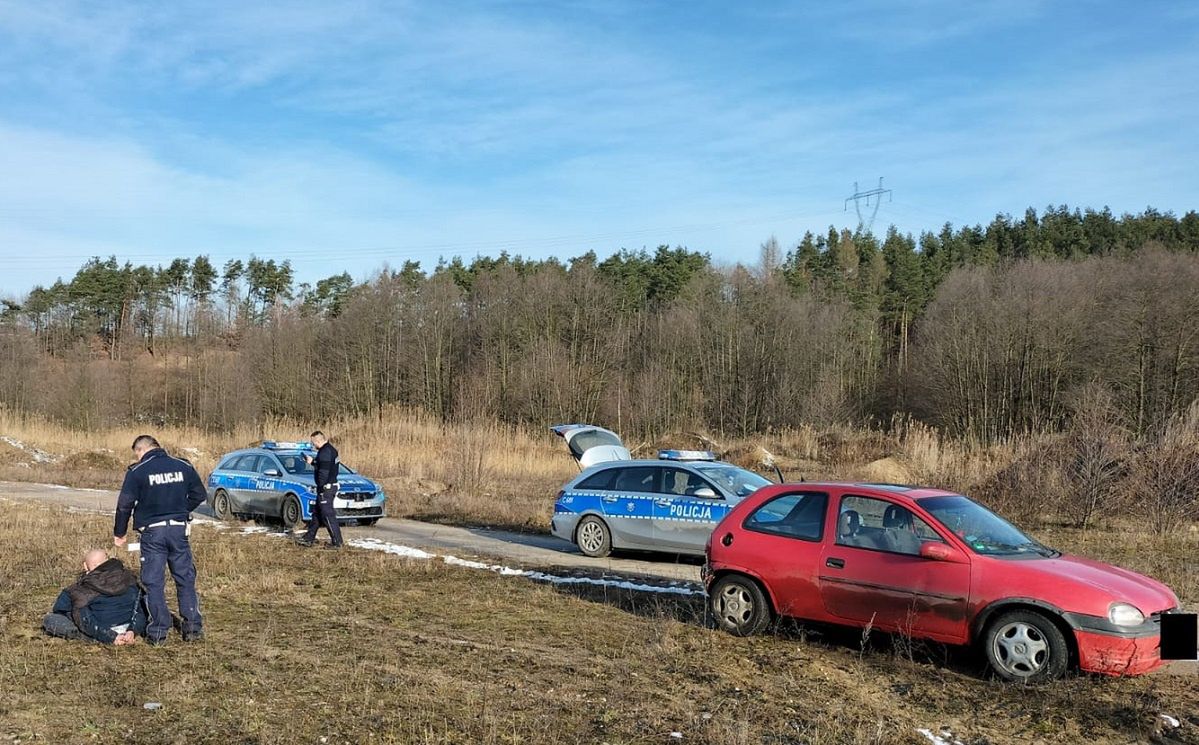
(160, 493)
(325, 469)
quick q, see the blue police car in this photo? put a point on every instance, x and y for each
(275, 482)
(671, 504)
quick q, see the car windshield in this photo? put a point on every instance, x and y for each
(982, 530)
(733, 479)
(295, 463)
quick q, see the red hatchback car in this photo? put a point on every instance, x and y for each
(934, 565)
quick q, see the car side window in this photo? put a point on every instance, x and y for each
(681, 482)
(601, 481)
(266, 463)
(227, 464)
(638, 479)
(879, 525)
(243, 463)
(799, 515)
(251, 463)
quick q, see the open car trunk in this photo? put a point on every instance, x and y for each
(591, 445)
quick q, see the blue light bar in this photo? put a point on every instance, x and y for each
(273, 445)
(686, 455)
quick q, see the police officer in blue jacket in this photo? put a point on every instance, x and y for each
(160, 493)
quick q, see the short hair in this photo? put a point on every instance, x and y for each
(147, 440)
(317, 433)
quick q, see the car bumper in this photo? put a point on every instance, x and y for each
(1117, 655)
(358, 513)
(562, 525)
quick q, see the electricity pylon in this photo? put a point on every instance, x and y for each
(857, 198)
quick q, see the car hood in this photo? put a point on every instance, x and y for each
(1117, 584)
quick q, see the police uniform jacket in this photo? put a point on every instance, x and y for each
(158, 487)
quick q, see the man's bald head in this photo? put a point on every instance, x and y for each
(94, 558)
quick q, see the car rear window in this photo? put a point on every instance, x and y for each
(640, 479)
(796, 515)
(601, 481)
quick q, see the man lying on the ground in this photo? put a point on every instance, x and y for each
(104, 605)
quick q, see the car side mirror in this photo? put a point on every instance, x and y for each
(271, 472)
(704, 492)
(937, 551)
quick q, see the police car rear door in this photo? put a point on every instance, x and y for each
(628, 507)
(269, 485)
(589, 444)
(686, 509)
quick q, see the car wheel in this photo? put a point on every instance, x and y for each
(739, 606)
(593, 537)
(220, 505)
(1026, 647)
(292, 513)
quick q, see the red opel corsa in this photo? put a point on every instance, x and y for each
(933, 565)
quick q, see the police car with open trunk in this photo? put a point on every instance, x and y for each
(670, 504)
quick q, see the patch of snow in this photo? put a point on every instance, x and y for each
(944, 738)
(1170, 721)
(39, 456)
(374, 544)
(256, 529)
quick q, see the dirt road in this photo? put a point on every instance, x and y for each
(529, 550)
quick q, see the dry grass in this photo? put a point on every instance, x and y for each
(486, 473)
(361, 647)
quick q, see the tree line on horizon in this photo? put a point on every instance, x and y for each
(987, 332)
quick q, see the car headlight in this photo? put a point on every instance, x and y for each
(310, 488)
(1123, 614)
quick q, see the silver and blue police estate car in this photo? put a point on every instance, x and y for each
(275, 482)
(671, 504)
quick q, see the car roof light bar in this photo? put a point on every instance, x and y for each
(686, 455)
(279, 445)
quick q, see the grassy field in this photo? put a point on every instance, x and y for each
(359, 647)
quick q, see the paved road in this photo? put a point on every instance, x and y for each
(530, 550)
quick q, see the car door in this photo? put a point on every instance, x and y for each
(269, 487)
(872, 572)
(590, 445)
(783, 543)
(239, 482)
(686, 509)
(628, 507)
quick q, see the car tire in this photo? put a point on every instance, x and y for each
(739, 606)
(222, 509)
(292, 512)
(1023, 646)
(593, 537)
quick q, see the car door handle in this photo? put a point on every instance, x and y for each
(662, 502)
(609, 500)
(834, 563)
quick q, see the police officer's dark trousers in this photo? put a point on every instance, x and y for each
(162, 547)
(324, 514)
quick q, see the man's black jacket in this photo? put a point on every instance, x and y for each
(105, 597)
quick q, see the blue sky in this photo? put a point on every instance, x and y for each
(348, 135)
